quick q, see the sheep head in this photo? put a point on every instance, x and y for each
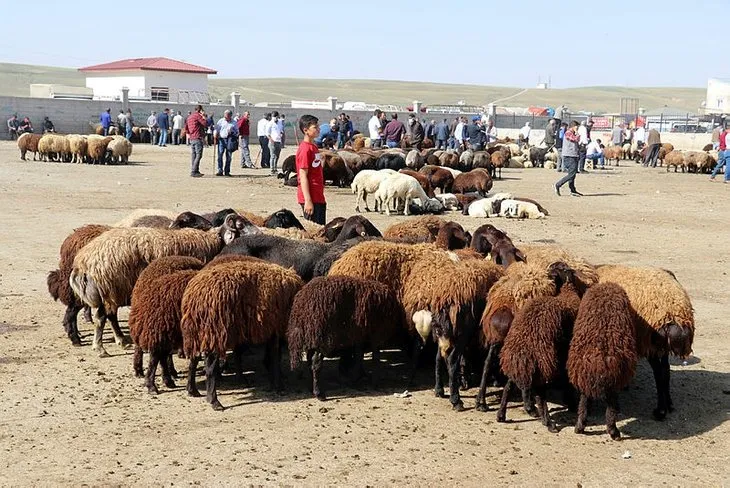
(190, 220)
(283, 218)
(234, 226)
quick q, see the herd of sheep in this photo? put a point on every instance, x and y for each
(75, 148)
(532, 316)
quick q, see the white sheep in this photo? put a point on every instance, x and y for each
(521, 210)
(120, 149)
(483, 208)
(449, 200)
(367, 181)
(399, 187)
(413, 159)
(516, 162)
(467, 158)
(514, 149)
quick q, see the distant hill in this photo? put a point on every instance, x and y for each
(15, 78)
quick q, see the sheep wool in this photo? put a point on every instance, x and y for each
(133, 218)
(424, 228)
(544, 255)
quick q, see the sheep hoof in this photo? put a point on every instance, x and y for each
(439, 393)
(75, 339)
(152, 390)
(532, 412)
(169, 383)
(552, 428)
(321, 397)
(138, 373)
(217, 406)
(659, 414)
(501, 417)
(194, 393)
(125, 342)
(614, 433)
(482, 407)
(579, 429)
(104, 354)
(458, 406)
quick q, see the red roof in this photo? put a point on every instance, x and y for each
(152, 64)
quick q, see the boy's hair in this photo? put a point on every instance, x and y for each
(574, 123)
(306, 121)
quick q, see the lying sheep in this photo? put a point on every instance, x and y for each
(484, 207)
(449, 201)
(476, 180)
(602, 356)
(335, 313)
(519, 209)
(366, 182)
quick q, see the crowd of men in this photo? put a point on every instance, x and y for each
(18, 127)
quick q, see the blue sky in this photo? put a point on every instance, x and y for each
(580, 43)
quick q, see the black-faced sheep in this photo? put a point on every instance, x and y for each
(118, 150)
(602, 356)
(154, 318)
(231, 304)
(332, 314)
(536, 347)
(476, 180)
(288, 166)
(487, 240)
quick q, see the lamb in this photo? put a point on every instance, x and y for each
(536, 347)
(366, 182)
(663, 320)
(102, 282)
(414, 160)
(398, 187)
(79, 147)
(340, 312)
(477, 180)
(675, 158)
(235, 303)
(613, 153)
(422, 180)
(154, 319)
(119, 149)
(449, 201)
(498, 161)
(484, 207)
(28, 142)
(602, 356)
(512, 208)
(440, 178)
(58, 280)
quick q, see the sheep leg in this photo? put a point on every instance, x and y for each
(97, 344)
(316, 360)
(69, 324)
(439, 388)
(192, 367)
(528, 403)
(542, 408)
(408, 202)
(660, 412)
(375, 375)
(137, 362)
(502, 413)
(238, 364)
(387, 206)
(453, 363)
(171, 367)
(580, 425)
(165, 360)
(667, 372)
(274, 348)
(125, 342)
(481, 404)
(211, 378)
(87, 316)
(151, 370)
(415, 356)
(611, 413)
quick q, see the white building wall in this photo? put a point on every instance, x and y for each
(139, 82)
(718, 96)
(176, 81)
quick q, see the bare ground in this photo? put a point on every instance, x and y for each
(68, 417)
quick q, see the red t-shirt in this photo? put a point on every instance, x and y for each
(308, 158)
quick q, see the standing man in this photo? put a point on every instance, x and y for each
(163, 124)
(570, 160)
(244, 129)
(583, 140)
(128, 124)
(617, 135)
(442, 135)
(106, 121)
(474, 134)
(226, 134)
(430, 131)
(394, 132)
(121, 121)
(375, 131)
(264, 139)
(459, 133)
(452, 133)
(559, 145)
(417, 132)
(491, 132)
(13, 125)
(342, 131)
(177, 125)
(551, 131)
(525, 134)
(640, 137)
(654, 143)
(723, 156)
(716, 137)
(273, 132)
(195, 127)
(152, 126)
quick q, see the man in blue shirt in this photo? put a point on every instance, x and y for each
(326, 131)
(106, 121)
(163, 124)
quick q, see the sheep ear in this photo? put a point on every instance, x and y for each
(520, 256)
(229, 221)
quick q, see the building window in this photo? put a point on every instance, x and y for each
(160, 94)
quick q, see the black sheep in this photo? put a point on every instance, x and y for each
(283, 218)
(392, 161)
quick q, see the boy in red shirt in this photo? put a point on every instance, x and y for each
(310, 177)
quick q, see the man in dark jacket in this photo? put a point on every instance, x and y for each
(417, 132)
(551, 131)
(653, 144)
(430, 130)
(474, 134)
(163, 124)
(342, 128)
(442, 135)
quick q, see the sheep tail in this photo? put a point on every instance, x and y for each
(54, 284)
(86, 289)
(295, 341)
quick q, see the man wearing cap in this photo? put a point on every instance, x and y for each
(473, 134)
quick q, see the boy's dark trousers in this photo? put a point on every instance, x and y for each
(319, 215)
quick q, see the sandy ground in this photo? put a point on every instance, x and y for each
(69, 417)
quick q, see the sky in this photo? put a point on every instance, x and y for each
(506, 43)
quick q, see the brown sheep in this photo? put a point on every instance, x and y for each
(487, 240)
(438, 177)
(476, 180)
(452, 236)
(708, 147)
(449, 159)
(613, 153)
(536, 347)
(422, 180)
(676, 159)
(154, 319)
(419, 229)
(335, 169)
(602, 356)
(97, 149)
(28, 143)
(231, 304)
(57, 281)
(333, 313)
(358, 143)
(498, 161)
(543, 256)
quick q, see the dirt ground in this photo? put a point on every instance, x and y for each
(69, 417)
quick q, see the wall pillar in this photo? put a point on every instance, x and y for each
(125, 98)
(235, 101)
(417, 108)
(333, 103)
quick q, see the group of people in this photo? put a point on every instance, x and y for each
(270, 131)
(160, 124)
(17, 127)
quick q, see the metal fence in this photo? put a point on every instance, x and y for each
(686, 123)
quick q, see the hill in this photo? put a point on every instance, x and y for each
(15, 78)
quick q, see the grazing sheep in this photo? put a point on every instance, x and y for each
(398, 187)
(390, 160)
(449, 159)
(134, 217)
(288, 166)
(476, 180)
(231, 304)
(536, 347)
(419, 229)
(119, 149)
(335, 169)
(58, 280)
(335, 313)
(422, 180)
(602, 356)
(675, 158)
(438, 177)
(79, 147)
(105, 270)
(366, 182)
(28, 143)
(154, 318)
(697, 161)
(543, 256)
(489, 241)
(663, 320)
(97, 147)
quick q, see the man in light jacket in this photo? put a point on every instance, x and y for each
(264, 139)
(653, 143)
(177, 125)
(152, 126)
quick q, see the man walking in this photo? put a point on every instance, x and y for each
(442, 135)
(152, 126)
(195, 126)
(226, 133)
(653, 143)
(177, 125)
(559, 145)
(244, 130)
(163, 124)
(723, 156)
(583, 141)
(273, 132)
(106, 121)
(570, 160)
(264, 139)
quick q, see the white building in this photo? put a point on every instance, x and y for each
(718, 96)
(154, 79)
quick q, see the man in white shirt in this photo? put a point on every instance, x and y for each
(459, 133)
(582, 144)
(152, 126)
(594, 152)
(264, 139)
(525, 134)
(375, 129)
(225, 131)
(491, 132)
(177, 125)
(273, 132)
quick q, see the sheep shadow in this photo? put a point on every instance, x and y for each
(604, 194)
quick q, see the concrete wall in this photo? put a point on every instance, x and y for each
(77, 116)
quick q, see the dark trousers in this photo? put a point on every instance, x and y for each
(223, 152)
(319, 215)
(581, 158)
(441, 144)
(265, 154)
(570, 163)
(651, 155)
